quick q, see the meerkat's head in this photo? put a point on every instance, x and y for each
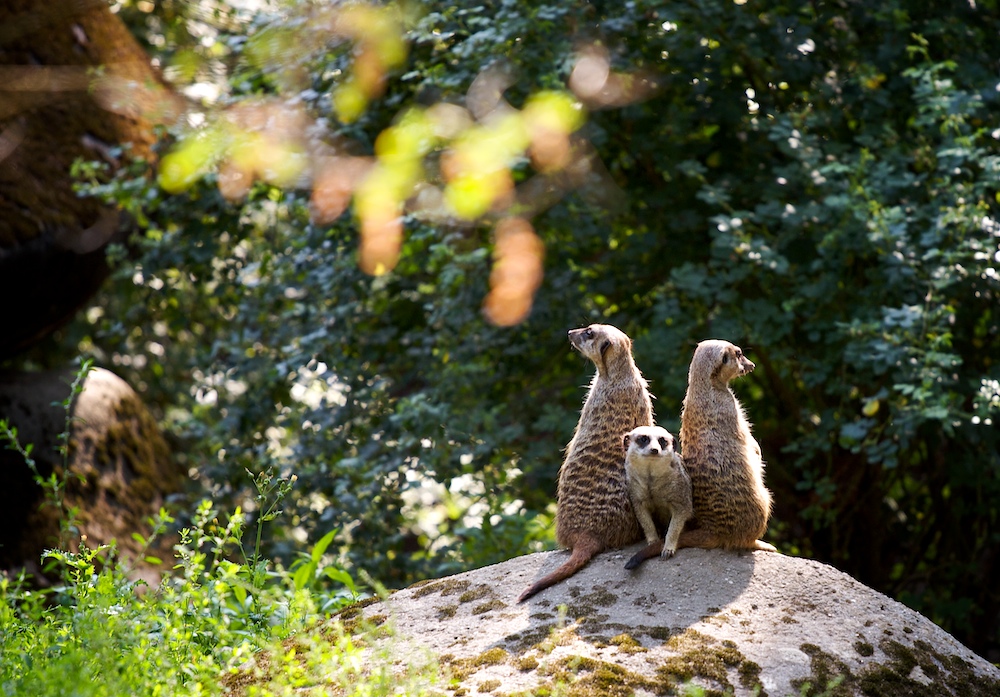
(719, 362)
(607, 346)
(648, 441)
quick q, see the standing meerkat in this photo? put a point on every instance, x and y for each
(593, 511)
(658, 483)
(731, 503)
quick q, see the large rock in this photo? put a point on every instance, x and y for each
(120, 468)
(734, 623)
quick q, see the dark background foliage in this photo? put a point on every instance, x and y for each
(816, 182)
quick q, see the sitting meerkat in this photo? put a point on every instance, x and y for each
(658, 484)
(593, 512)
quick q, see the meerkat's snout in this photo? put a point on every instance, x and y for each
(744, 365)
(647, 447)
(577, 337)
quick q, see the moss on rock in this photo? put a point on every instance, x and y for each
(700, 656)
(463, 668)
(449, 586)
(918, 670)
(477, 593)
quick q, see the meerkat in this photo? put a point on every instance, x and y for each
(593, 510)
(658, 484)
(731, 503)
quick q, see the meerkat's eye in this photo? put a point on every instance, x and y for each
(589, 334)
(643, 441)
(739, 353)
(663, 442)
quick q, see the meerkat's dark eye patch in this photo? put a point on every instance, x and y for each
(589, 334)
(663, 442)
(643, 441)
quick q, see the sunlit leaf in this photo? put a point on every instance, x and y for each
(349, 101)
(191, 160)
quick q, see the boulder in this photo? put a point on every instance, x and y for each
(733, 623)
(119, 466)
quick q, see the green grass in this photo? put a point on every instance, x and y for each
(206, 629)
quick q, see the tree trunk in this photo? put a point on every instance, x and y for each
(74, 83)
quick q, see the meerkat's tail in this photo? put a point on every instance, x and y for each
(582, 552)
(647, 552)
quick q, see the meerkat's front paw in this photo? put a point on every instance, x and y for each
(667, 553)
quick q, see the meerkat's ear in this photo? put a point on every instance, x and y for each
(625, 441)
(602, 365)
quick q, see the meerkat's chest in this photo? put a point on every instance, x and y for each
(648, 472)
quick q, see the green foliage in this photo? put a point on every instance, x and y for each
(814, 182)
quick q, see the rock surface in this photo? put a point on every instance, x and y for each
(734, 623)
